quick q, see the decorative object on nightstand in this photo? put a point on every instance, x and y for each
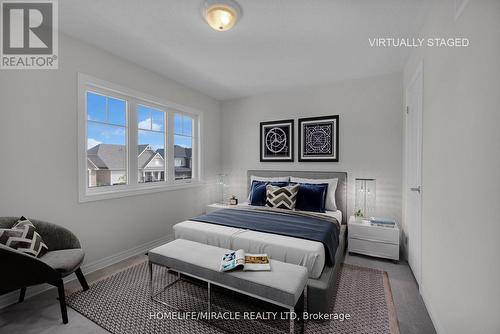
(365, 237)
(222, 187)
(383, 222)
(233, 200)
(358, 215)
(365, 197)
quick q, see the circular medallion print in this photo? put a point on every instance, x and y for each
(276, 140)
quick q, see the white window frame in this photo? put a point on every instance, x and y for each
(133, 187)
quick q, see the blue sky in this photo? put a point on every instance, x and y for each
(107, 120)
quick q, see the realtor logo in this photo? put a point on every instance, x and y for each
(29, 36)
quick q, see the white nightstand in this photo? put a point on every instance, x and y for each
(217, 206)
(363, 238)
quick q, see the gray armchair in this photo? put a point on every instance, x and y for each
(63, 258)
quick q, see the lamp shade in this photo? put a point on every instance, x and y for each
(222, 188)
(365, 196)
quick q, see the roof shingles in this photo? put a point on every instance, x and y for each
(114, 157)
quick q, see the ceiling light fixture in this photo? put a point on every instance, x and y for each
(221, 15)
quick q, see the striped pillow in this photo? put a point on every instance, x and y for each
(281, 197)
(24, 238)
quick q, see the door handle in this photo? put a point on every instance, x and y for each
(415, 189)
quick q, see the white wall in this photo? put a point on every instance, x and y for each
(461, 165)
(371, 122)
(38, 150)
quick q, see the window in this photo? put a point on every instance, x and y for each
(151, 140)
(106, 140)
(183, 146)
(132, 143)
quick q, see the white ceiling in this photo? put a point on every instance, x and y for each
(278, 44)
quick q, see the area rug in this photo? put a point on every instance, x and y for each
(121, 304)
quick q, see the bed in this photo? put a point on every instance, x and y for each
(322, 260)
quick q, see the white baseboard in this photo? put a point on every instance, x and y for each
(12, 297)
(432, 312)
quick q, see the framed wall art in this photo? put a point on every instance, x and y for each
(276, 141)
(319, 139)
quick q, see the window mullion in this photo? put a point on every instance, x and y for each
(166, 148)
(170, 148)
(195, 160)
(132, 141)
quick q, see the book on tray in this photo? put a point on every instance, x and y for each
(239, 260)
(382, 222)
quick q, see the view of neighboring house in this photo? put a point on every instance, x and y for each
(151, 164)
(182, 161)
(106, 164)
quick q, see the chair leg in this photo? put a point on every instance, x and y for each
(81, 279)
(22, 294)
(62, 300)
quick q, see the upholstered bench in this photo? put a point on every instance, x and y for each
(282, 286)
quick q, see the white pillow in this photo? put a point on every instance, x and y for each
(330, 203)
(267, 179)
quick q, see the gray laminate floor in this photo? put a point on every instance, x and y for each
(41, 314)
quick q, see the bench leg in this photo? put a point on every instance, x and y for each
(153, 294)
(150, 267)
(304, 310)
(208, 300)
(305, 299)
(292, 324)
(22, 293)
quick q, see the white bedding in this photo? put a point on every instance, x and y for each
(307, 253)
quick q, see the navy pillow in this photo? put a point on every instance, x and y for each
(258, 191)
(312, 197)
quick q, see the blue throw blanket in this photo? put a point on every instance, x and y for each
(290, 224)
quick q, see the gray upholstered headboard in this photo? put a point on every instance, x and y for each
(340, 194)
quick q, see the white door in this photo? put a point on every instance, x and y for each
(413, 191)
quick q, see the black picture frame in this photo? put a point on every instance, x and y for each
(276, 141)
(319, 139)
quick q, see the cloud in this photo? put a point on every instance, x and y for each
(145, 124)
(156, 127)
(91, 142)
(112, 133)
